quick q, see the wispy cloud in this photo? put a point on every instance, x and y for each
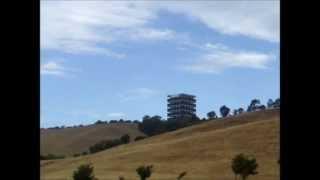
(137, 94)
(92, 26)
(116, 114)
(56, 69)
(218, 57)
(255, 19)
(83, 26)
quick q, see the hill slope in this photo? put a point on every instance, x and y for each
(69, 141)
(204, 151)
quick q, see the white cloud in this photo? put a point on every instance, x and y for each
(51, 68)
(220, 58)
(137, 94)
(218, 46)
(116, 114)
(56, 69)
(256, 19)
(152, 34)
(83, 26)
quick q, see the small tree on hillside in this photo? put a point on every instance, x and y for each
(144, 172)
(244, 166)
(125, 139)
(235, 112)
(139, 138)
(270, 103)
(99, 122)
(224, 111)
(262, 107)
(211, 115)
(277, 103)
(240, 110)
(253, 105)
(181, 175)
(84, 172)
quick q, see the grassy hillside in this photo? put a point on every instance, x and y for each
(204, 151)
(69, 141)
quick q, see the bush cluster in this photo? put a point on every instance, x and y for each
(51, 156)
(106, 144)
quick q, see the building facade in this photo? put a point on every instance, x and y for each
(181, 106)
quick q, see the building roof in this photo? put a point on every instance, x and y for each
(181, 95)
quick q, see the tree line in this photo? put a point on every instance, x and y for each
(255, 105)
(97, 122)
(154, 125)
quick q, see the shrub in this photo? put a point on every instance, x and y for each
(51, 156)
(105, 144)
(84, 153)
(144, 172)
(244, 166)
(139, 138)
(76, 155)
(84, 172)
(125, 139)
(181, 175)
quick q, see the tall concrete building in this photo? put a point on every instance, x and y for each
(181, 106)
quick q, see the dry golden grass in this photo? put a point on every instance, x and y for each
(69, 141)
(204, 151)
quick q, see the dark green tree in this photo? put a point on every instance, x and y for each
(277, 103)
(144, 172)
(253, 105)
(270, 103)
(152, 125)
(262, 107)
(235, 112)
(99, 122)
(224, 111)
(240, 110)
(211, 115)
(84, 172)
(244, 166)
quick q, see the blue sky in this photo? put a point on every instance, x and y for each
(110, 60)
